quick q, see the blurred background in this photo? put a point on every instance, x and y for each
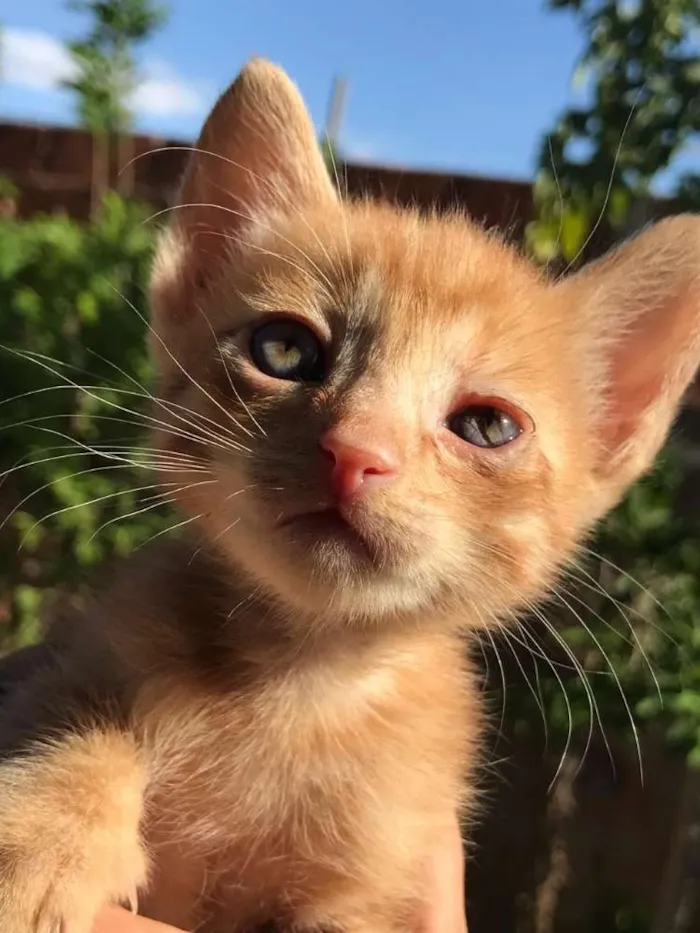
(568, 124)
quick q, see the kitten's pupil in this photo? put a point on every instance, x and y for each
(282, 355)
(484, 426)
(287, 349)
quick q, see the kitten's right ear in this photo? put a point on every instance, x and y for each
(638, 312)
(257, 155)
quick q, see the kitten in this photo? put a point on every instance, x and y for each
(405, 429)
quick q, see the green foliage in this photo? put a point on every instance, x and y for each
(661, 547)
(118, 20)
(66, 291)
(103, 84)
(641, 76)
(630, 606)
(107, 73)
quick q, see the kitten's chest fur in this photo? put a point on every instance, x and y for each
(275, 772)
(310, 744)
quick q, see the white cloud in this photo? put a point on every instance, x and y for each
(34, 60)
(163, 93)
(38, 61)
(358, 147)
(360, 150)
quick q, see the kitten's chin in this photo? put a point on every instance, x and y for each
(318, 564)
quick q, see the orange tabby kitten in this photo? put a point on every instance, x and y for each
(405, 429)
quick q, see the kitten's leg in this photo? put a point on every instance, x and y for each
(72, 782)
(69, 832)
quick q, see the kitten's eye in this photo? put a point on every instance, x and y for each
(288, 349)
(485, 426)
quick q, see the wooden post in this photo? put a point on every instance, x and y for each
(336, 110)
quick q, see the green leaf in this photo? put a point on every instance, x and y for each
(649, 707)
(688, 702)
(573, 232)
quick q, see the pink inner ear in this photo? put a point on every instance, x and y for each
(637, 376)
(641, 307)
(649, 367)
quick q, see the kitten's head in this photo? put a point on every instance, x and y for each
(401, 414)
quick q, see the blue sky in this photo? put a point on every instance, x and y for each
(467, 85)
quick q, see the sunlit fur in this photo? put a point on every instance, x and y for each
(417, 311)
(303, 712)
(421, 311)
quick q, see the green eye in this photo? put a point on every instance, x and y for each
(288, 349)
(485, 426)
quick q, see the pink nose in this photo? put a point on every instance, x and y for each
(356, 466)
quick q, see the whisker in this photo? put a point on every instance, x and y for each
(279, 193)
(633, 642)
(589, 582)
(503, 684)
(105, 452)
(82, 505)
(231, 383)
(594, 711)
(538, 651)
(123, 464)
(161, 499)
(345, 223)
(36, 491)
(251, 219)
(487, 666)
(616, 678)
(264, 251)
(179, 365)
(137, 420)
(628, 576)
(186, 521)
(569, 711)
(601, 215)
(158, 458)
(560, 194)
(220, 534)
(536, 696)
(249, 598)
(204, 433)
(169, 404)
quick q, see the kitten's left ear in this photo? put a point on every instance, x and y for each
(257, 156)
(257, 152)
(640, 308)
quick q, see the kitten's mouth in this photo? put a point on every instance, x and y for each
(325, 524)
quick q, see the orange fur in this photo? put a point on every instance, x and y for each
(297, 720)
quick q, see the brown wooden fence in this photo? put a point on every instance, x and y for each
(52, 168)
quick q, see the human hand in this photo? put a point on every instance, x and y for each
(116, 920)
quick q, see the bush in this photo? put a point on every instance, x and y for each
(71, 299)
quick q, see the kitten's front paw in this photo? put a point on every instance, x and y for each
(69, 833)
(41, 893)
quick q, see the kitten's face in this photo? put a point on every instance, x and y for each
(409, 411)
(410, 418)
